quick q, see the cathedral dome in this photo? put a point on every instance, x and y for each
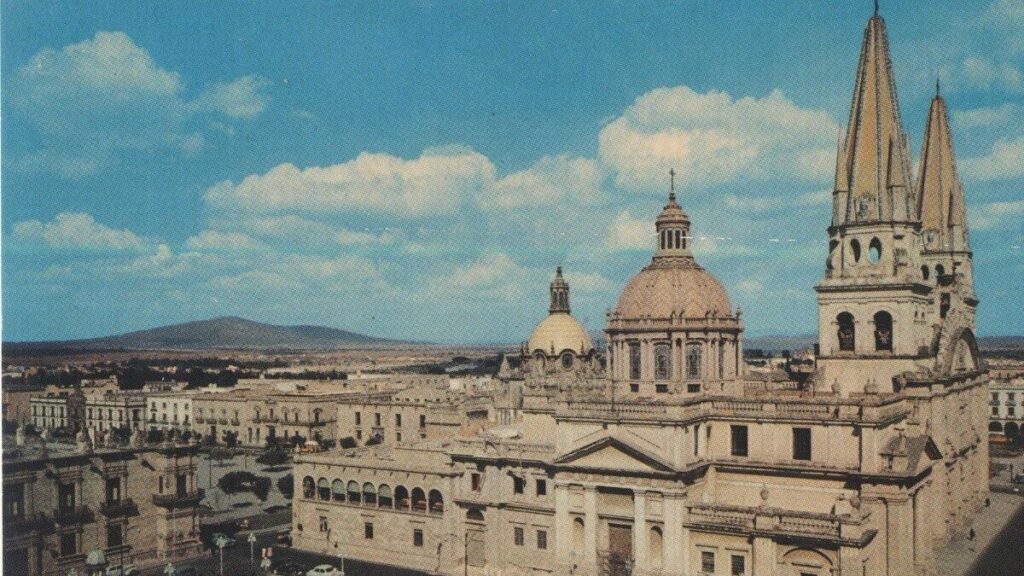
(673, 287)
(557, 333)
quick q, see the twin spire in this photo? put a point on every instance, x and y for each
(873, 181)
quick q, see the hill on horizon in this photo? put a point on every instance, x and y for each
(220, 332)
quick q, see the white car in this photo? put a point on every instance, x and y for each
(324, 570)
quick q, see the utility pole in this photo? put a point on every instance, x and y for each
(252, 551)
(220, 544)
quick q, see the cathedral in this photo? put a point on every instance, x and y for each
(660, 456)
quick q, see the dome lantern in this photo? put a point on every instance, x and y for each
(673, 227)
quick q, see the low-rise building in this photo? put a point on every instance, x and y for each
(1006, 403)
(169, 410)
(111, 409)
(67, 508)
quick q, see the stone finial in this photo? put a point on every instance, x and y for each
(764, 494)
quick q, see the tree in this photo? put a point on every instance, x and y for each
(298, 440)
(273, 456)
(230, 438)
(154, 436)
(348, 442)
(286, 484)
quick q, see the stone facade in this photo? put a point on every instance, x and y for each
(673, 463)
(1006, 403)
(63, 506)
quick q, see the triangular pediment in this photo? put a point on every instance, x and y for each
(612, 453)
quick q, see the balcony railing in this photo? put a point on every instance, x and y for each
(119, 508)
(71, 516)
(186, 500)
(266, 419)
(29, 523)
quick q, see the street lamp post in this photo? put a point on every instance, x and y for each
(252, 551)
(220, 544)
(169, 569)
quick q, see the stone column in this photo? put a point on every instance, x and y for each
(590, 526)
(563, 529)
(899, 530)
(641, 554)
(675, 542)
(763, 561)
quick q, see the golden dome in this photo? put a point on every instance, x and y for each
(673, 287)
(559, 332)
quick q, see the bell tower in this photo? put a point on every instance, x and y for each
(873, 302)
(559, 293)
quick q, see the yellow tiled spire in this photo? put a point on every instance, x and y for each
(939, 191)
(875, 159)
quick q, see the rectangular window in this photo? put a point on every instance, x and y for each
(323, 524)
(721, 360)
(14, 501)
(542, 539)
(662, 361)
(68, 544)
(995, 397)
(634, 360)
(1011, 411)
(707, 562)
(693, 360)
(423, 420)
(739, 440)
(474, 481)
(398, 437)
(518, 536)
(115, 535)
(66, 497)
(398, 420)
(739, 566)
(368, 530)
(417, 538)
(661, 388)
(1011, 396)
(359, 418)
(693, 388)
(542, 487)
(995, 411)
(359, 434)
(634, 387)
(801, 443)
(376, 419)
(517, 484)
(113, 490)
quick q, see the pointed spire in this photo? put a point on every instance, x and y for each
(875, 152)
(940, 192)
(876, 7)
(559, 293)
(672, 185)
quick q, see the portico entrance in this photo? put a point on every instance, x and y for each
(618, 559)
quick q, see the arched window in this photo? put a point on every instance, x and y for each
(855, 250)
(679, 234)
(847, 332)
(436, 502)
(883, 331)
(323, 490)
(831, 263)
(577, 535)
(419, 500)
(401, 498)
(369, 494)
(634, 360)
(338, 490)
(353, 492)
(308, 487)
(924, 272)
(567, 360)
(875, 251)
(316, 415)
(662, 361)
(939, 270)
(475, 515)
(655, 545)
(693, 360)
(384, 498)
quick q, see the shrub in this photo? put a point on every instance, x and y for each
(286, 484)
(243, 481)
(348, 442)
(274, 456)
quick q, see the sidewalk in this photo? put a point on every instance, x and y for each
(963, 557)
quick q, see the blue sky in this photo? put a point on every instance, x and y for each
(417, 169)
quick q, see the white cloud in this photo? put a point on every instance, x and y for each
(1004, 14)
(76, 231)
(561, 180)
(1004, 161)
(216, 240)
(983, 74)
(713, 139)
(99, 98)
(435, 183)
(627, 233)
(996, 215)
(750, 287)
(241, 98)
(984, 117)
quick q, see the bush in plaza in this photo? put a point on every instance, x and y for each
(286, 484)
(273, 456)
(348, 442)
(243, 481)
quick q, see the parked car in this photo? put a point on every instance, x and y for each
(284, 538)
(324, 570)
(288, 568)
(126, 570)
(217, 537)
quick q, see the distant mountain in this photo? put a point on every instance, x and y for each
(778, 343)
(223, 332)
